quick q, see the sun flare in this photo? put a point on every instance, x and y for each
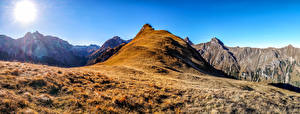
(25, 11)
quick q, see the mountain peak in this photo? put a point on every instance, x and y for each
(36, 32)
(216, 40)
(28, 33)
(290, 45)
(34, 35)
(116, 38)
(113, 42)
(187, 39)
(147, 27)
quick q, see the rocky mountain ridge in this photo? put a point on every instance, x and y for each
(276, 65)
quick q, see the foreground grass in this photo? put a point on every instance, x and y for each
(29, 88)
(36, 88)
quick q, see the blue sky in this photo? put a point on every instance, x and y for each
(254, 23)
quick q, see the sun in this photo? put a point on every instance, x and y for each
(25, 11)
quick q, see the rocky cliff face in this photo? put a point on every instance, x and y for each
(277, 65)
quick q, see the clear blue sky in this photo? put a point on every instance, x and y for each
(254, 23)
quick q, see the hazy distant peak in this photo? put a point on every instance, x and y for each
(28, 34)
(113, 42)
(37, 32)
(116, 38)
(34, 35)
(290, 46)
(4, 36)
(94, 45)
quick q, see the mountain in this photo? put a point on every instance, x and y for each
(104, 52)
(37, 48)
(276, 65)
(104, 55)
(159, 51)
(47, 50)
(113, 42)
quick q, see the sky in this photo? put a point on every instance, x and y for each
(244, 23)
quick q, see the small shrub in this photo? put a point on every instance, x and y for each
(38, 83)
(15, 72)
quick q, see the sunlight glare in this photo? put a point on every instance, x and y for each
(25, 11)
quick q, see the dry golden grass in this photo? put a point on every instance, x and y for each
(121, 89)
(204, 93)
(37, 88)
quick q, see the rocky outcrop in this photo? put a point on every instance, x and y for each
(187, 39)
(277, 65)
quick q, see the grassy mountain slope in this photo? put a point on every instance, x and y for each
(160, 51)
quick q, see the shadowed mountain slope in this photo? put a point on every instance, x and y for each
(103, 55)
(37, 48)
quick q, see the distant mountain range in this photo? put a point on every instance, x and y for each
(277, 65)
(49, 50)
